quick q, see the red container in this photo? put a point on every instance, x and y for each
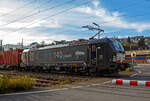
(12, 57)
(1, 59)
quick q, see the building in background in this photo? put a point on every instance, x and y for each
(12, 47)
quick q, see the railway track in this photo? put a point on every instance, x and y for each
(47, 79)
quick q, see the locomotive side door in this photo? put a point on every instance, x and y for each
(99, 57)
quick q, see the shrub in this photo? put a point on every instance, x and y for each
(17, 83)
(128, 69)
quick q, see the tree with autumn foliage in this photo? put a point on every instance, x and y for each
(141, 44)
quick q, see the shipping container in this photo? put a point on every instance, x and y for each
(1, 59)
(12, 57)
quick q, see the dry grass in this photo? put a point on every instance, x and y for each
(64, 82)
(126, 70)
(16, 83)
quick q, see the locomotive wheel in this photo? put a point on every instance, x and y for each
(93, 72)
(49, 70)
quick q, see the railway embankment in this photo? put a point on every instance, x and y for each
(14, 81)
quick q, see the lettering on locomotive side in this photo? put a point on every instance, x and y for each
(79, 53)
(61, 55)
(67, 56)
(58, 54)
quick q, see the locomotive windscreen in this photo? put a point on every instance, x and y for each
(118, 46)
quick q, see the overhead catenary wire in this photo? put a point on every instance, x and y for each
(46, 18)
(58, 13)
(22, 28)
(125, 15)
(128, 6)
(41, 11)
(36, 13)
(19, 8)
(48, 1)
(32, 11)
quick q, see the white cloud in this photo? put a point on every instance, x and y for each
(38, 37)
(32, 36)
(4, 10)
(112, 19)
(77, 17)
(53, 23)
(96, 3)
(28, 24)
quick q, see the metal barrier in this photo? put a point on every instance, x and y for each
(131, 82)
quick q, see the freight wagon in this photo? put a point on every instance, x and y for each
(11, 58)
(1, 59)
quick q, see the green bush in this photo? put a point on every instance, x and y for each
(17, 83)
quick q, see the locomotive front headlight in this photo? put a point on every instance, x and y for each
(114, 59)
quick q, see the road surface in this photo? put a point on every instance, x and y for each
(94, 92)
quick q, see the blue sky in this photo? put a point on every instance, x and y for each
(43, 20)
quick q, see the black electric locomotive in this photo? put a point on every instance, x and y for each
(94, 56)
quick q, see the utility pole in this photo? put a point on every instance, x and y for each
(94, 29)
(1, 45)
(22, 43)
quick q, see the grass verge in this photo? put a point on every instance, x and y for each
(16, 83)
